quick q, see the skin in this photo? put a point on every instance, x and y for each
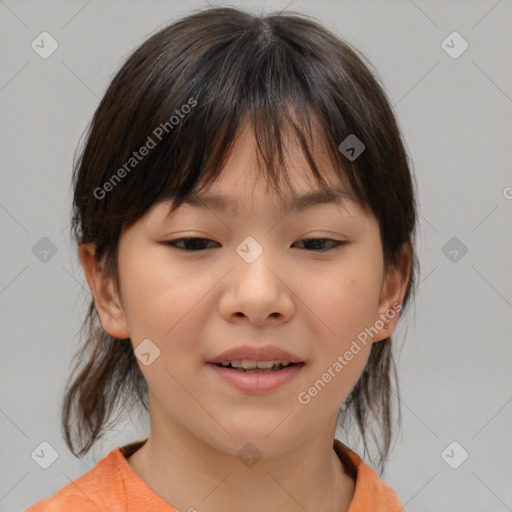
(313, 304)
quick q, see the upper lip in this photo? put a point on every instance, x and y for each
(268, 353)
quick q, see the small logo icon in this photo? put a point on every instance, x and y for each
(454, 455)
(146, 352)
(44, 45)
(249, 249)
(44, 250)
(454, 45)
(352, 147)
(249, 454)
(454, 249)
(45, 455)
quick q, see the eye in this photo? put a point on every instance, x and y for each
(316, 242)
(196, 244)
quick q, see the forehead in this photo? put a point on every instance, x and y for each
(297, 202)
(243, 176)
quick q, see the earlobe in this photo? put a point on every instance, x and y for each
(106, 302)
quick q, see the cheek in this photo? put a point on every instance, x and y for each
(158, 297)
(344, 306)
(343, 302)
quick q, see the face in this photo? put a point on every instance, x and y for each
(194, 300)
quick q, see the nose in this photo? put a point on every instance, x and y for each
(258, 288)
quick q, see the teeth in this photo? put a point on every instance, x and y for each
(250, 365)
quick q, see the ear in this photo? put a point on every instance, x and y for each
(392, 293)
(106, 301)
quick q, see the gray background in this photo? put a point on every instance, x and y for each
(455, 113)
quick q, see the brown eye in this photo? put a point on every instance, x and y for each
(316, 244)
(193, 243)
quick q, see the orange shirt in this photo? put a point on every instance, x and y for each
(112, 486)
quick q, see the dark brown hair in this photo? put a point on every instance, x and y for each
(183, 94)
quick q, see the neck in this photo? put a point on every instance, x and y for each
(306, 477)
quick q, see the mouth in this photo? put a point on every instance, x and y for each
(256, 377)
(246, 366)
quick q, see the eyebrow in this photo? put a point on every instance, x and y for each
(228, 204)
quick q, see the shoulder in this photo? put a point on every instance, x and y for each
(101, 488)
(370, 491)
(63, 501)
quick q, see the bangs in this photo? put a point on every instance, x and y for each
(277, 135)
(289, 97)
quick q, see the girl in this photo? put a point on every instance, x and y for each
(245, 214)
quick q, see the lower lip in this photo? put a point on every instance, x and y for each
(257, 383)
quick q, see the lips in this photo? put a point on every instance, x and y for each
(256, 382)
(255, 367)
(269, 353)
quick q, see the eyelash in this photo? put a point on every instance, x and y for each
(337, 243)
